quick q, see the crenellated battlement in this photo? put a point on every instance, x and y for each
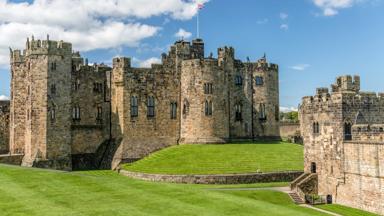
(121, 62)
(346, 83)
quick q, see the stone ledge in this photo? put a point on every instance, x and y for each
(246, 178)
(14, 159)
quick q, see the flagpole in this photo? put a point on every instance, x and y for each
(197, 25)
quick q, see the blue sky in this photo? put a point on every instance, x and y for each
(313, 41)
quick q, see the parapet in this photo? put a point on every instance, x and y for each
(46, 47)
(122, 62)
(346, 83)
(226, 52)
(320, 91)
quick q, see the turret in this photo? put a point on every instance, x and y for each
(346, 83)
(225, 54)
(197, 49)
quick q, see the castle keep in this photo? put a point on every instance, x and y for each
(64, 112)
(343, 145)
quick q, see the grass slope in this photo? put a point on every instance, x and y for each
(26, 191)
(344, 210)
(222, 159)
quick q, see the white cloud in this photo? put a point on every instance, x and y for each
(87, 24)
(284, 27)
(300, 67)
(287, 109)
(183, 34)
(146, 63)
(331, 7)
(3, 97)
(283, 16)
(262, 21)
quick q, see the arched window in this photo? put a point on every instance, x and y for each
(151, 107)
(347, 131)
(173, 110)
(238, 112)
(134, 107)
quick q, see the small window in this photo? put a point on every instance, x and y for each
(173, 110)
(134, 107)
(53, 114)
(53, 66)
(238, 80)
(53, 89)
(185, 107)
(76, 85)
(262, 115)
(76, 113)
(99, 113)
(238, 111)
(151, 107)
(208, 108)
(208, 89)
(347, 131)
(259, 80)
(316, 128)
(98, 87)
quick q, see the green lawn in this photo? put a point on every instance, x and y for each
(222, 159)
(343, 210)
(28, 191)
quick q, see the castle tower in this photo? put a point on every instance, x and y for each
(18, 99)
(265, 99)
(47, 104)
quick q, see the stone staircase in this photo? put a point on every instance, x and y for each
(305, 184)
(296, 198)
(294, 183)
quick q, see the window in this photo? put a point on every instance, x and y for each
(98, 87)
(173, 110)
(134, 107)
(76, 85)
(53, 89)
(238, 112)
(277, 113)
(208, 108)
(262, 115)
(316, 127)
(53, 66)
(208, 88)
(99, 116)
(151, 107)
(53, 114)
(76, 113)
(238, 80)
(259, 80)
(185, 107)
(347, 131)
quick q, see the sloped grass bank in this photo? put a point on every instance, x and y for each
(222, 159)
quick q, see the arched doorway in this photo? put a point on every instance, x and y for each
(329, 199)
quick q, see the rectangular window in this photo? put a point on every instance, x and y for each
(208, 89)
(151, 107)
(238, 116)
(76, 113)
(53, 89)
(208, 108)
(99, 113)
(173, 110)
(262, 115)
(238, 80)
(134, 107)
(259, 80)
(53, 114)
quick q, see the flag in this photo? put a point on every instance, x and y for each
(200, 6)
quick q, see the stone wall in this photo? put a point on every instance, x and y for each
(4, 127)
(342, 133)
(216, 179)
(288, 129)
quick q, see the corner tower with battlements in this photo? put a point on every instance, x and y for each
(343, 133)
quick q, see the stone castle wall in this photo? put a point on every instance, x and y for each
(61, 106)
(342, 133)
(4, 127)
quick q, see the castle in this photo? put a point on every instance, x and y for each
(344, 145)
(66, 114)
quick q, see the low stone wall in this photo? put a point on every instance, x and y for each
(216, 179)
(11, 159)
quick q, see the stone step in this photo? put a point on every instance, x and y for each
(295, 198)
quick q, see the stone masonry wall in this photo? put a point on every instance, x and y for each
(4, 127)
